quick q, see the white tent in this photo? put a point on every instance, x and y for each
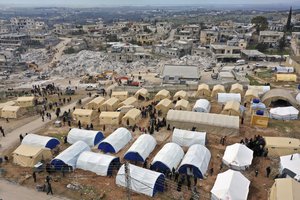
(115, 141)
(91, 138)
(168, 157)
(141, 148)
(40, 141)
(101, 164)
(70, 155)
(197, 157)
(188, 138)
(225, 97)
(202, 105)
(290, 165)
(142, 180)
(298, 98)
(284, 113)
(238, 156)
(230, 185)
(261, 89)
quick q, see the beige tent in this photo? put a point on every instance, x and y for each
(131, 101)
(142, 94)
(121, 95)
(279, 94)
(8, 103)
(110, 104)
(281, 146)
(84, 115)
(217, 89)
(286, 77)
(110, 118)
(163, 94)
(250, 95)
(182, 105)
(96, 103)
(285, 189)
(231, 108)
(12, 112)
(132, 117)
(164, 106)
(203, 91)
(28, 156)
(180, 95)
(237, 88)
(26, 101)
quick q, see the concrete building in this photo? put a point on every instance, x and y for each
(14, 39)
(180, 74)
(200, 51)
(208, 37)
(270, 38)
(225, 53)
(295, 43)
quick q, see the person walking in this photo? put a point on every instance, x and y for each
(49, 189)
(268, 170)
(21, 137)
(2, 131)
(256, 172)
(34, 176)
(79, 124)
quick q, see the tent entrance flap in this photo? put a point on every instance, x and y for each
(196, 172)
(133, 156)
(106, 147)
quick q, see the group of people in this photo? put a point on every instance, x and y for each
(257, 145)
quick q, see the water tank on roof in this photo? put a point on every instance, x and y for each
(256, 100)
(260, 112)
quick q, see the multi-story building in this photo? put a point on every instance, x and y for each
(145, 38)
(200, 51)
(208, 37)
(14, 39)
(271, 38)
(225, 53)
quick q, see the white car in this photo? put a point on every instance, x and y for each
(90, 88)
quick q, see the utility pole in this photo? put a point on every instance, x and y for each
(128, 181)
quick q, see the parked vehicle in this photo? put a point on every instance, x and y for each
(69, 91)
(90, 88)
(241, 62)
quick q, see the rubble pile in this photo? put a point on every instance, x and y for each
(39, 56)
(188, 60)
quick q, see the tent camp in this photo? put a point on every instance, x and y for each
(180, 95)
(26, 101)
(141, 148)
(217, 89)
(90, 137)
(225, 97)
(129, 101)
(28, 156)
(197, 159)
(110, 104)
(40, 141)
(231, 108)
(101, 164)
(85, 116)
(96, 103)
(167, 158)
(237, 88)
(238, 156)
(110, 118)
(261, 89)
(11, 112)
(164, 106)
(115, 141)
(142, 94)
(281, 146)
(121, 95)
(182, 105)
(285, 188)
(286, 77)
(208, 122)
(250, 95)
(230, 185)
(70, 155)
(202, 105)
(187, 138)
(203, 91)
(279, 96)
(142, 180)
(290, 166)
(284, 113)
(163, 94)
(132, 117)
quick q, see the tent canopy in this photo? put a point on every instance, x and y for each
(40, 141)
(188, 138)
(96, 103)
(236, 88)
(203, 90)
(261, 89)
(291, 163)
(197, 157)
(284, 113)
(225, 97)
(110, 104)
(90, 137)
(121, 95)
(286, 77)
(141, 148)
(279, 94)
(115, 141)
(217, 89)
(129, 101)
(180, 95)
(142, 93)
(202, 105)
(182, 105)
(142, 180)
(285, 188)
(250, 95)
(231, 108)
(162, 94)
(83, 112)
(281, 146)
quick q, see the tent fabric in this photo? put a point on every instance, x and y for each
(187, 138)
(230, 185)
(142, 93)
(168, 157)
(285, 188)
(182, 105)
(110, 118)
(286, 77)
(231, 108)
(26, 101)
(202, 105)
(250, 95)
(129, 101)
(162, 94)
(261, 89)
(85, 116)
(12, 112)
(225, 97)
(131, 117)
(298, 98)
(279, 94)
(281, 69)
(180, 95)
(291, 163)
(236, 88)
(284, 113)
(237, 156)
(281, 146)
(142, 180)
(40, 141)
(28, 156)
(141, 148)
(217, 89)
(203, 91)
(8, 103)
(101, 164)
(121, 95)
(96, 103)
(70, 155)
(90, 137)
(164, 106)
(115, 141)
(197, 157)
(110, 104)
